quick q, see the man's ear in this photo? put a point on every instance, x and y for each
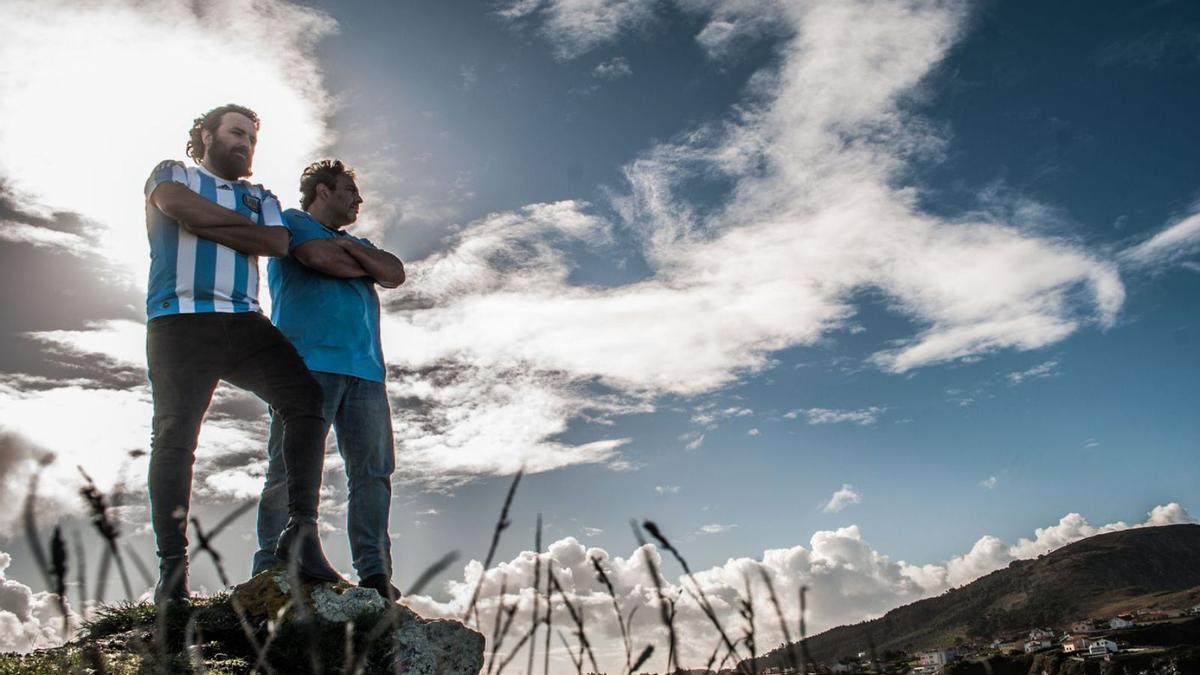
(322, 191)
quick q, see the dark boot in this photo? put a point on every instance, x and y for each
(300, 540)
(172, 583)
(382, 585)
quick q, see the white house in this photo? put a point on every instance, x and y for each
(1101, 647)
(1125, 621)
(1041, 634)
(938, 658)
(1037, 645)
(1084, 626)
(1074, 643)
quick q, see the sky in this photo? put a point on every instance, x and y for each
(876, 297)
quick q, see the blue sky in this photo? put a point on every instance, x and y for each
(707, 262)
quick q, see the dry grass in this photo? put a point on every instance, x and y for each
(185, 638)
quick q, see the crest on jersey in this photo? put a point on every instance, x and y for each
(253, 203)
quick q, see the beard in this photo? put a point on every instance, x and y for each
(228, 163)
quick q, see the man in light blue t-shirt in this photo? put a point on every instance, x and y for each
(323, 299)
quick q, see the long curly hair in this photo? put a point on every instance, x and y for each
(210, 121)
(323, 172)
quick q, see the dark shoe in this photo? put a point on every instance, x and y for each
(382, 585)
(172, 583)
(300, 540)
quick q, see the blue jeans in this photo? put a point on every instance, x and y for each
(362, 423)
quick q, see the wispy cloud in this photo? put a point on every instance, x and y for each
(863, 417)
(68, 242)
(692, 440)
(1044, 369)
(575, 27)
(666, 489)
(1174, 242)
(843, 497)
(716, 528)
(615, 68)
(988, 483)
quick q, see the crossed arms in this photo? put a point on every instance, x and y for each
(340, 258)
(212, 221)
(348, 259)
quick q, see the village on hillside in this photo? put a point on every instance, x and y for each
(1082, 639)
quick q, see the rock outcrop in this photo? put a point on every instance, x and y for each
(410, 643)
(264, 624)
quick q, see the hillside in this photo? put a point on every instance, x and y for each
(1096, 577)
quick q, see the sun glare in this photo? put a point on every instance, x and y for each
(95, 96)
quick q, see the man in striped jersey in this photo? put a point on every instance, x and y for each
(207, 228)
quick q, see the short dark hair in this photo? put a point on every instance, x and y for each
(324, 172)
(211, 120)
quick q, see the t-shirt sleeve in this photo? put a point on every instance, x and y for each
(272, 214)
(365, 242)
(302, 229)
(167, 171)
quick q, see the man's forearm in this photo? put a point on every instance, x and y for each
(185, 206)
(249, 239)
(326, 257)
(386, 269)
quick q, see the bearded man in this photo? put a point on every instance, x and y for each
(207, 226)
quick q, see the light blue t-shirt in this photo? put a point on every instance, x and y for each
(334, 323)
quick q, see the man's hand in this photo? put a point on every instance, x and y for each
(214, 222)
(386, 269)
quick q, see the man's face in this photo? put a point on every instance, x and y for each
(343, 200)
(229, 151)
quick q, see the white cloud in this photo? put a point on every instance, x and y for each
(122, 341)
(28, 620)
(666, 489)
(814, 218)
(848, 580)
(613, 69)
(58, 53)
(456, 423)
(863, 417)
(1046, 369)
(753, 432)
(107, 424)
(592, 531)
(575, 27)
(1173, 243)
(843, 497)
(989, 482)
(45, 238)
(716, 528)
(497, 349)
(693, 440)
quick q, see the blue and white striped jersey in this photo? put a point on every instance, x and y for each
(190, 274)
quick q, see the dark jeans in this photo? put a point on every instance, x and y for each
(187, 355)
(362, 422)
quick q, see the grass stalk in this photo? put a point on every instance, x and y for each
(600, 574)
(537, 582)
(702, 599)
(501, 525)
(666, 610)
(787, 636)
